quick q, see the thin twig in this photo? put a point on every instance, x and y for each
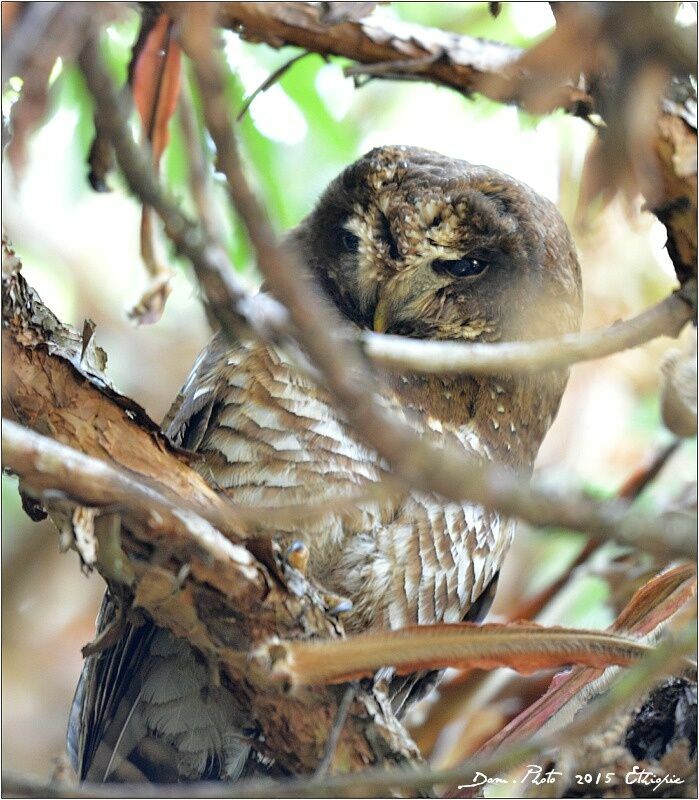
(640, 478)
(532, 606)
(334, 737)
(199, 182)
(269, 82)
(227, 296)
(629, 490)
(267, 516)
(269, 318)
(667, 318)
(45, 464)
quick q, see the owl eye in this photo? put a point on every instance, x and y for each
(462, 267)
(349, 242)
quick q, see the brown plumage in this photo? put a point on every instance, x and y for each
(412, 243)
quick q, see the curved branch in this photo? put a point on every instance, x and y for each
(47, 465)
(180, 569)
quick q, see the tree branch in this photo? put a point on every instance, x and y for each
(667, 318)
(391, 49)
(534, 80)
(46, 465)
(183, 571)
(416, 460)
(262, 605)
(52, 383)
(269, 319)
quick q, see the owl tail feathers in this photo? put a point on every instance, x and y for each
(140, 757)
(145, 711)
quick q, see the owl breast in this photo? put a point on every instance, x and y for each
(271, 439)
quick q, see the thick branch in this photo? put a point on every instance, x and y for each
(194, 578)
(50, 384)
(46, 465)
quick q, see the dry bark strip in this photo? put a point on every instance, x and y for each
(183, 571)
(393, 49)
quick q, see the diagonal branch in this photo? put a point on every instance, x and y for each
(47, 465)
(176, 563)
(416, 460)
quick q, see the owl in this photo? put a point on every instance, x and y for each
(404, 241)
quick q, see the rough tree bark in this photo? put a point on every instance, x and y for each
(226, 600)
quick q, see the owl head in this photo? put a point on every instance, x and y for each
(410, 242)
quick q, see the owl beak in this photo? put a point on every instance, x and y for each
(381, 315)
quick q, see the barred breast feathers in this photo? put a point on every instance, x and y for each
(271, 437)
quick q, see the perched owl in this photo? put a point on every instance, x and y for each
(404, 241)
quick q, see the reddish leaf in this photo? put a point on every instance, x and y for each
(650, 606)
(657, 601)
(526, 648)
(155, 82)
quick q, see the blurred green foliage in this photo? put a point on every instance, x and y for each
(280, 170)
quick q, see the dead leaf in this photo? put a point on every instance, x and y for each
(526, 648)
(149, 309)
(155, 82)
(155, 79)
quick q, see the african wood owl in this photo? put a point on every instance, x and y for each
(404, 241)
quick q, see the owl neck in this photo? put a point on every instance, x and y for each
(509, 414)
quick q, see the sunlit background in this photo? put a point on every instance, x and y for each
(80, 251)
